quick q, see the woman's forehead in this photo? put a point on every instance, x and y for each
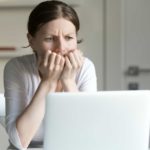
(58, 26)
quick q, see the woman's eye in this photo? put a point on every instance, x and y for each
(48, 39)
(68, 37)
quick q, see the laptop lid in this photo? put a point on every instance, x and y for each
(117, 120)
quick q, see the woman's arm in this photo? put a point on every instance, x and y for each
(29, 121)
(24, 115)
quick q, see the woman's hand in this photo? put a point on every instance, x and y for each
(73, 63)
(50, 67)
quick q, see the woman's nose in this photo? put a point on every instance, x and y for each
(61, 47)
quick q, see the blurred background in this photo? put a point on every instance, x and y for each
(116, 37)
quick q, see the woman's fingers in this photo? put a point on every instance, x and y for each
(54, 64)
(51, 61)
(67, 63)
(72, 60)
(62, 62)
(43, 59)
(76, 59)
(79, 57)
(46, 57)
(58, 59)
(51, 65)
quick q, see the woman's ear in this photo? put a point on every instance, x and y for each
(30, 39)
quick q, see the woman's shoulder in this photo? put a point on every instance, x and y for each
(87, 68)
(22, 60)
(88, 63)
(20, 63)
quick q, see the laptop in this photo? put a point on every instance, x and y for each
(108, 120)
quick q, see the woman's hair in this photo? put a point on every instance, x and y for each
(50, 10)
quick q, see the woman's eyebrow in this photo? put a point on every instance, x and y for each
(70, 33)
(55, 35)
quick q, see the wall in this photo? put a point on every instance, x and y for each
(113, 53)
(13, 33)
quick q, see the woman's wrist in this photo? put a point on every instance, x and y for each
(69, 85)
(49, 86)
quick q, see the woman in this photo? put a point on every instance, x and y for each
(56, 65)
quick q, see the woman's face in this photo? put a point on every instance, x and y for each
(58, 35)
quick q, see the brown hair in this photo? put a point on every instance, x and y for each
(49, 10)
